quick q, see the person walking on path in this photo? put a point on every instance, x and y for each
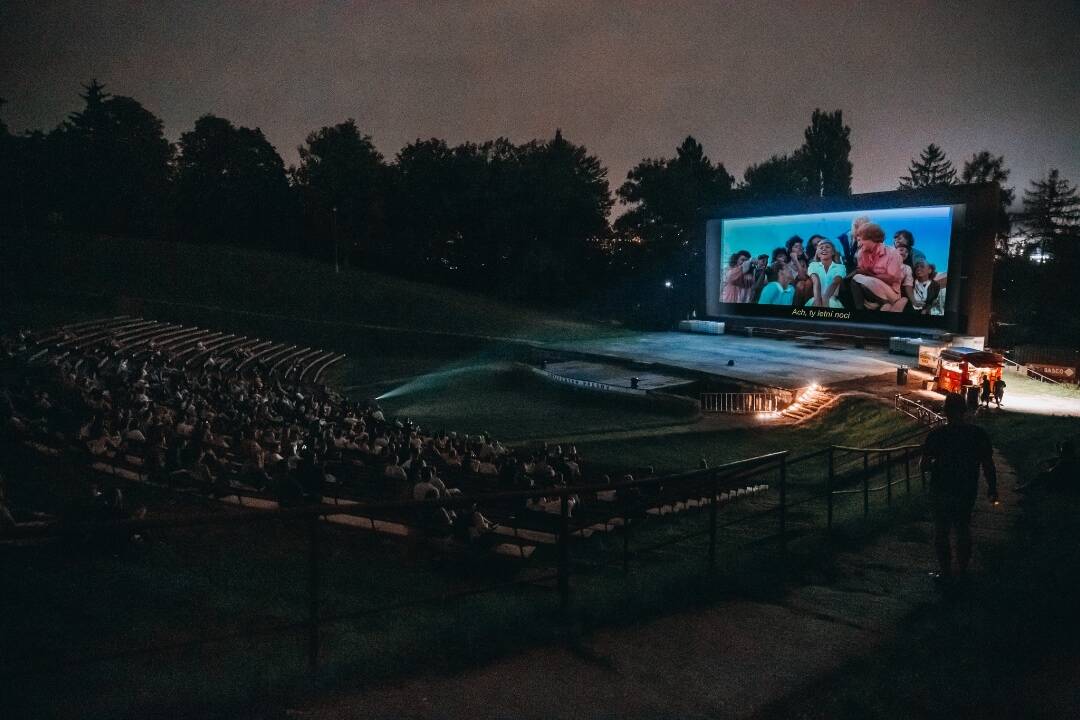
(999, 391)
(953, 454)
(986, 390)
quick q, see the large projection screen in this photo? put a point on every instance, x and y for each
(884, 264)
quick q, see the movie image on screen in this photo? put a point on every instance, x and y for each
(845, 265)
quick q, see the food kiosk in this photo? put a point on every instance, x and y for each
(962, 367)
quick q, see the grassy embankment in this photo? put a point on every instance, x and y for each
(49, 278)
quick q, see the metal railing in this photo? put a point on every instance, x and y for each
(886, 459)
(918, 411)
(592, 384)
(740, 403)
(704, 490)
(1019, 369)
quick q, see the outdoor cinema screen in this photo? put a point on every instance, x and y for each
(868, 265)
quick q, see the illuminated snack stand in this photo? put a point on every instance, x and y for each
(960, 367)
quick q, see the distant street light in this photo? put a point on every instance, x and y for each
(667, 283)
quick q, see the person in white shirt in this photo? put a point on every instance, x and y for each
(826, 275)
(394, 471)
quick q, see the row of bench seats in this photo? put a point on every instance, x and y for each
(521, 531)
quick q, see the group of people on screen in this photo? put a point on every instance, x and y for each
(824, 273)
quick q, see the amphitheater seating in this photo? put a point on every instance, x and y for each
(520, 532)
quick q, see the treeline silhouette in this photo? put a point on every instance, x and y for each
(530, 222)
(527, 221)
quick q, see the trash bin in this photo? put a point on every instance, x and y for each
(901, 374)
(973, 397)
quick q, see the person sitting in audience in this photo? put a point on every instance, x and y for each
(482, 532)
(394, 471)
(424, 487)
(103, 443)
(438, 521)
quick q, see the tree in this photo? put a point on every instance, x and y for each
(932, 169)
(668, 200)
(10, 215)
(431, 197)
(820, 167)
(1051, 218)
(779, 176)
(826, 152)
(112, 165)
(520, 219)
(567, 199)
(984, 167)
(343, 181)
(231, 188)
(669, 196)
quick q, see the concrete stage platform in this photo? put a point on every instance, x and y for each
(787, 364)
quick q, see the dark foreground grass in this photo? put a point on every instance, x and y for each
(1007, 645)
(856, 421)
(210, 620)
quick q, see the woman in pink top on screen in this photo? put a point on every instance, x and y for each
(875, 284)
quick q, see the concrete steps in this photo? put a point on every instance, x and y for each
(807, 403)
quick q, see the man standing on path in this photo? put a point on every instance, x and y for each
(999, 391)
(953, 454)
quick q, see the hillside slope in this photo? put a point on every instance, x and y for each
(233, 279)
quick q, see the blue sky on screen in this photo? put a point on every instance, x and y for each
(931, 226)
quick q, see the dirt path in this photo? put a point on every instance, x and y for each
(731, 660)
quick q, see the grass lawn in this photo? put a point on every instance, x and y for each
(203, 282)
(513, 405)
(856, 421)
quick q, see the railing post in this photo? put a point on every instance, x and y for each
(829, 488)
(866, 484)
(783, 499)
(626, 544)
(713, 500)
(313, 593)
(922, 471)
(888, 479)
(564, 552)
(907, 470)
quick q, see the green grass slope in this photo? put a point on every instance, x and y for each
(513, 404)
(56, 272)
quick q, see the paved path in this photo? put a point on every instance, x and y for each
(731, 660)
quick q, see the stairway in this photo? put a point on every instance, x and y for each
(807, 403)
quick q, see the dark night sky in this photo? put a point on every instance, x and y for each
(628, 80)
